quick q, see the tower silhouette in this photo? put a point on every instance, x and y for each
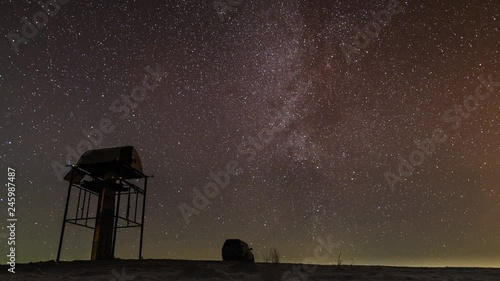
(101, 178)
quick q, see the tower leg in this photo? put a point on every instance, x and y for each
(64, 218)
(143, 213)
(116, 221)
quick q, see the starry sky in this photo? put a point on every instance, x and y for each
(345, 121)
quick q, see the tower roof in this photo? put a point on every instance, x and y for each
(107, 164)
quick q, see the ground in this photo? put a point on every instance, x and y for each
(179, 270)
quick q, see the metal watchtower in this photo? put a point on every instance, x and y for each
(101, 178)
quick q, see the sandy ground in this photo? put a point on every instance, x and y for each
(152, 270)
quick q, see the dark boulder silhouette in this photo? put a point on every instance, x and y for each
(237, 250)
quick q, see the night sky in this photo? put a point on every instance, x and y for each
(317, 123)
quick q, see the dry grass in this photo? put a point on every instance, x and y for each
(271, 256)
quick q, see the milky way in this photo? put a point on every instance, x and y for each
(344, 121)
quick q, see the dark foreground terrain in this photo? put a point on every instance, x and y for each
(152, 270)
